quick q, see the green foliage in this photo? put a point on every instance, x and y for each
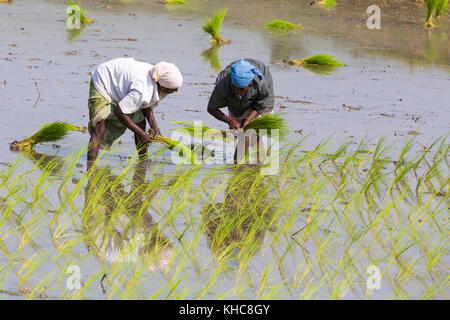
(212, 26)
(441, 8)
(269, 122)
(431, 9)
(327, 3)
(49, 132)
(322, 60)
(176, 2)
(278, 24)
(75, 8)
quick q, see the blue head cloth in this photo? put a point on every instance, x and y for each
(242, 73)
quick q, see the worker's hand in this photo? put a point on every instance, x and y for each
(245, 123)
(146, 137)
(154, 132)
(234, 124)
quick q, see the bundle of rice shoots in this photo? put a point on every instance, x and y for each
(278, 24)
(327, 3)
(270, 122)
(318, 59)
(212, 26)
(176, 2)
(441, 8)
(187, 152)
(190, 128)
(431, 9)
(49, 132)
(74, 8)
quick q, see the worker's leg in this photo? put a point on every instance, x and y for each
(94, 142)
(141, 146)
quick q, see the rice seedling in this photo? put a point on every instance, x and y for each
(212, 26)
(278, 25)
(171, 144)
(75, 10)
(318, 59)
(6, 1)
(50, 132)
(327, 3)
(441, 8)
(175, 2)
(268, 122)
(431, 9)
(143, 230)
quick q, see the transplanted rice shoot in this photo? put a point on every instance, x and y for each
(431, 9)
(318, 59)
(441, 8)
(327, 3)
(282, 25)
(75, 9)
(212, 26)
(50, 132)
(176, 2)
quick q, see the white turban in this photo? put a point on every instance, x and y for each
(167, 75)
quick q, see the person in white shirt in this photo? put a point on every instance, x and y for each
(123, 93)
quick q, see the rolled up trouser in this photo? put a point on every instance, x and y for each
(102, 109)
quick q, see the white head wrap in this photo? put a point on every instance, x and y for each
(167, 75)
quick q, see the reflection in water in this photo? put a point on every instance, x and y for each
(285, 46)
(235, 228)
(72, 34)
(117, 224)
(211, 56)
(320, 70)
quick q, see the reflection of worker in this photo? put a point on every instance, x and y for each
(118, 225)
(246, 88)
(242, 220)
(122, 94)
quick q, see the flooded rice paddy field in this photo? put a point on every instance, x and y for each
(157, 230)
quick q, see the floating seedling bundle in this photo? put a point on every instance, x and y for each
(74, 12)
(327, 3)
(318, 59)
(320, 63)
(49, 132)
(435, 6)
(174, 2)
(282, 25)
(212, 26)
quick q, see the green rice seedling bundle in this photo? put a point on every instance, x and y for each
(176, 2)
(431, 9)
(270, 122)
(49, 132)
(327, 3)
(212, 26)
(441, 8)
(76, 8)
(187, 152)
(318, 59)
(278, 24)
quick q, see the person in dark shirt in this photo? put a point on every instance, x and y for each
(246, 88)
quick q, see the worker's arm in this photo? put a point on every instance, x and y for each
(126, 120)
(219, 115)
(218, 100)
(149, 115)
